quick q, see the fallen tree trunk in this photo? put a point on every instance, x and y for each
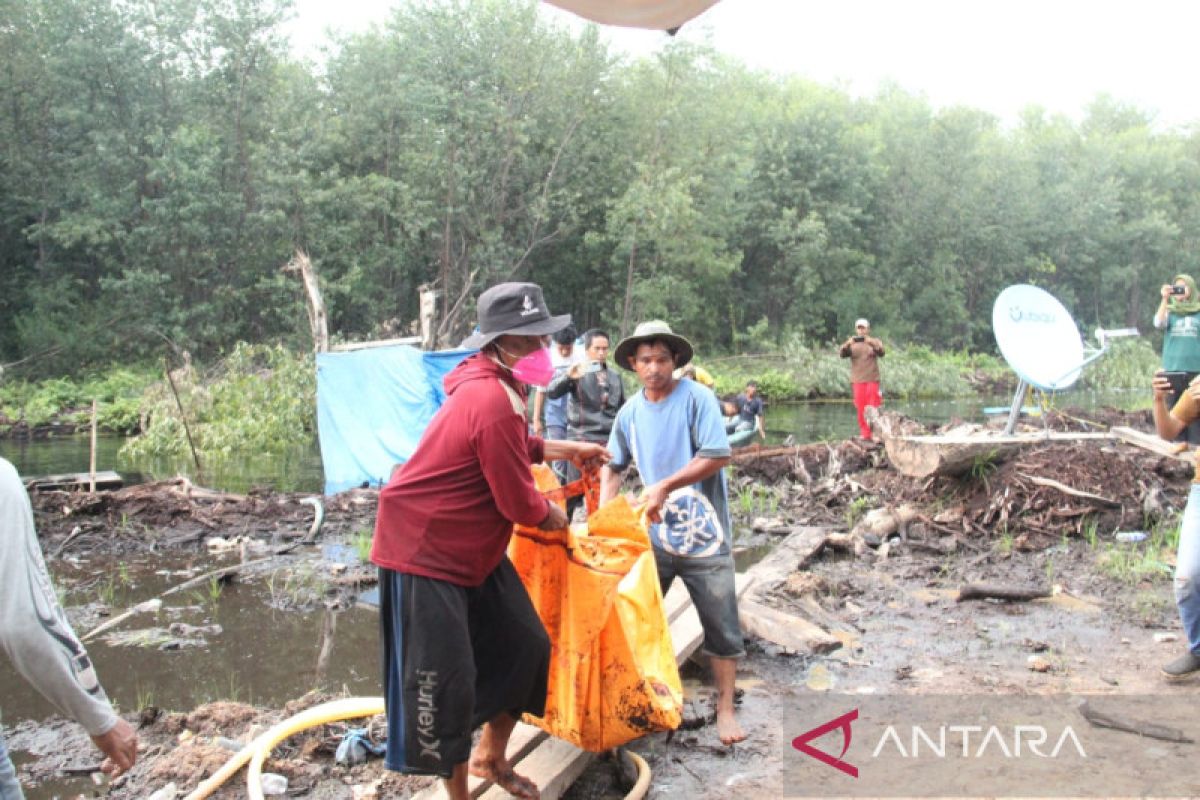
(985, 591)
(956, 451)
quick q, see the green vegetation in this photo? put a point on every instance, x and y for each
(259, 398)
(118, 393)
(1135, 562)
(857, 508)
(801, 371)
(469, 141)
(755, 500)
(361, 542)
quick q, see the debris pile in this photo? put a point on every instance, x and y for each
(175, 513)
(1037, 494)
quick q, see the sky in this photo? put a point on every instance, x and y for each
(997, 56)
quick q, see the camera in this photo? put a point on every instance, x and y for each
(1178, 290)
(1179, 380)
(593, 366)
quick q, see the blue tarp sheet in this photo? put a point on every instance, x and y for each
(372, 407)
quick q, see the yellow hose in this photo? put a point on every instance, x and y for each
(257, 751)
(348, 708)
(643, 781)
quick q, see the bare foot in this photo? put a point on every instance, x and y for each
(728, 728)
(504, 777)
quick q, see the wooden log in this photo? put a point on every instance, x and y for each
(789, 631)
(754, 452)
(925, 456)
(1150, 730)
(983, 591)
(1148, 441)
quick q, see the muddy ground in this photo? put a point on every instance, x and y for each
(1106, 628)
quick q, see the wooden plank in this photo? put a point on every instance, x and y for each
(554, 766)
(73, 480)
(1148, 441)
(524, 739)
(794, 552)
(789, 631)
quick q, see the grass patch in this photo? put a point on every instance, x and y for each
(857, 508)
(361, 542)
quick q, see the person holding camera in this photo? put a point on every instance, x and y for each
(864, 352)
(1170, 419)
(1179, 315)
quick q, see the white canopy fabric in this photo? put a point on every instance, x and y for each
(652, 14)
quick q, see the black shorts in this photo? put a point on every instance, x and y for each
(453, 658)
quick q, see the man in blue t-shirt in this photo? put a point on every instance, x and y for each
(674, 432)
(750, 411)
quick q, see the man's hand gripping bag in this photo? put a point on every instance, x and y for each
(613, 676)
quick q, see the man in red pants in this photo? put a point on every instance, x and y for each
(864, 352)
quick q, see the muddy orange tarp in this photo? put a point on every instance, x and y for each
(613, 675)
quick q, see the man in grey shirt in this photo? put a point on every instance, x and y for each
(37, 638)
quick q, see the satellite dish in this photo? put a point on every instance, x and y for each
(1037, 337)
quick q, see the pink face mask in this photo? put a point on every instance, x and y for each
(535, 369)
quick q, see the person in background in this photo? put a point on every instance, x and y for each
(672, 431)
(698, 374)
(550, 416)
(1179, 315)
(749, 406)
(40, 643)
(463, 645)
(864, 352)
(595, 392)
(1170, 421)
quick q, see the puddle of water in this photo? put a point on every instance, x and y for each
(263, 655)
(746, 557)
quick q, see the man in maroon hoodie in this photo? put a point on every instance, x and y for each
(462, 644)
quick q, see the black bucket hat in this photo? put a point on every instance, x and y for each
(513, 308)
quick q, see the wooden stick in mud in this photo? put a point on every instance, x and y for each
(148, 605)
(1151, 730)
(983, 591)
(1062, 487)
(92, 463)
(183, 418)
